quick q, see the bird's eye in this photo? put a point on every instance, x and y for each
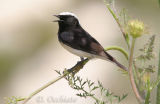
(73, 21)
(70, 20)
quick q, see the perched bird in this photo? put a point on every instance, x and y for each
(79, 42)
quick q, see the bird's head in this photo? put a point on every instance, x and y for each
(67, 19)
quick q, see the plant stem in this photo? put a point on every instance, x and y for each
(43, 87)
(117, 20)
(21, 99)
(148, 92)
(158, 86)
(96, 99)
(118, 49)
(135, 90)
(147, 97)
(74, 69)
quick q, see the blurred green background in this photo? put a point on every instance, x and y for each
(30, 52)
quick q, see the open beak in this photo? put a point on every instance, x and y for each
(57, 17)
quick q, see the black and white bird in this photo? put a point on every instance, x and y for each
(79, 42)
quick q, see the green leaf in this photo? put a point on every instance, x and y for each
(91, 84)
(58, 72)
(94, 88)
(84, 83)
(156, 83)
(123, 97)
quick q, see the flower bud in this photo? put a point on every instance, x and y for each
(135, 28)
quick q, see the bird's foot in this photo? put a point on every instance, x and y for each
(82, 58)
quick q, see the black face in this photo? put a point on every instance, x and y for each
(67, 21)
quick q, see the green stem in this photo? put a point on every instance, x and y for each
(158, 86)
(137, 81)
(96, 99)
(135, 90)
(148, 92)
(21, 99)
(43, 87)
(147, 97)
(74, 69)
(117, 20)
(118, 49)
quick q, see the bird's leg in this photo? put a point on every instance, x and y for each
(82, 58)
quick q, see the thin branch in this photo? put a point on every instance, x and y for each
(148, 91)
(43, 87)
(117, 20)
(118, 49)
(134, 87)
(74, 70)
(96, 99)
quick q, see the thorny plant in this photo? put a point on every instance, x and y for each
(140, 67)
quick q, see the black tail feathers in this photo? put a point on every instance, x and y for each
(120, 65)
(109, 57)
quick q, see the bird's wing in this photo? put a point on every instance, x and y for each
(81, 40)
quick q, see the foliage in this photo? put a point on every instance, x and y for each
(141, 63)
(86, 88)
(143, 69)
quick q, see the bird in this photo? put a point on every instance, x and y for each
(77, 41)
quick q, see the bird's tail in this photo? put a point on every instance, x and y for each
(120, 65)
(110, 58)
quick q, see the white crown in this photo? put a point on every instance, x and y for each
(68, 13)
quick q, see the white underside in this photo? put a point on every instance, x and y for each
(82, 53)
